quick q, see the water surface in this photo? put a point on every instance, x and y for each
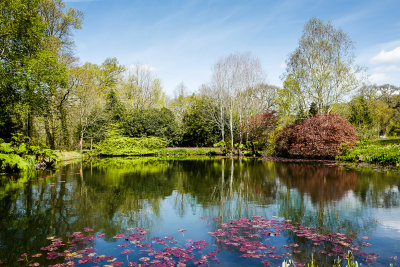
(113, 195)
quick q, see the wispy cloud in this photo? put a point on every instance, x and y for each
(378, 78)
(387, 56)
(385, 74)
(143, 67)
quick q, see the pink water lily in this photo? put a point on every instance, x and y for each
(250, 238)
(126, 251)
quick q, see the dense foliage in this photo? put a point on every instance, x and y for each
(152, 122)
(325, 135)
(259, 130)
(18, 154)
(199, 129)
(50, 98)
(385, 152)
(321, 69)
(115, 144)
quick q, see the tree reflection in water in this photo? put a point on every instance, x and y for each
(110, 195)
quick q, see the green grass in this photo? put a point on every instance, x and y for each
(68, 155)
(189, 151)
(381, 151)
(383, 142)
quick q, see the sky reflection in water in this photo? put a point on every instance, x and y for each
(111, 196)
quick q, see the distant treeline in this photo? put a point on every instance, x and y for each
(48, 97)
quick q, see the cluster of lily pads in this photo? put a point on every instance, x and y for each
(251, 238)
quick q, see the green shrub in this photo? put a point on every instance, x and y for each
(394, 130)
(374, 154)
(222, 145)
(19, 155)
(6, 148)
(13, 163)
(117, 145)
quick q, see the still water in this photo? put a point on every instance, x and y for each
(178, 206)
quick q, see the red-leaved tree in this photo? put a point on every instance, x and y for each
(258, 126)
(258, 129)
(322, 136)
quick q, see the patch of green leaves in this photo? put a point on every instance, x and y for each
(384, 152)
(117, 145)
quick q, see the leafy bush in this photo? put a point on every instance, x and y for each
(222, 145)
(117, 145)
(394, 130)
(374, 154)
(13, 162)
(152, 122)
(199, 129)
(6, 148)
(19, 155)
(322, 136)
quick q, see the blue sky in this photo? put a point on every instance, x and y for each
(182, 40)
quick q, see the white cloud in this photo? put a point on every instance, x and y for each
(141, 67)
(389, 68)
(387, 56)
(379, 77)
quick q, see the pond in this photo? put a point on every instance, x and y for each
(201, 211)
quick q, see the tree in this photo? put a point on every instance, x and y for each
(321, 69)
(142, 89)
(232, 75)
(21, 33)
(181, 102)
(60, 22)
(114, 111)
(199, 127)
(259, 128)
(35, 36)
(88, 97)
(360, 116)
(313, 109)
(322, 136)
(111, 72)
(152, 122)
(383, 104)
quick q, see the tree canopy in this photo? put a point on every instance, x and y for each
(321, 69)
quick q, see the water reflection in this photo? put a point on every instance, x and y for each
(323, 183)
(110, 195)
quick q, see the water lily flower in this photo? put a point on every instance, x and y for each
(144, 259)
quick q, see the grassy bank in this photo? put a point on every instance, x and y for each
(381, 151)
(189, 151)
(69, 155)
